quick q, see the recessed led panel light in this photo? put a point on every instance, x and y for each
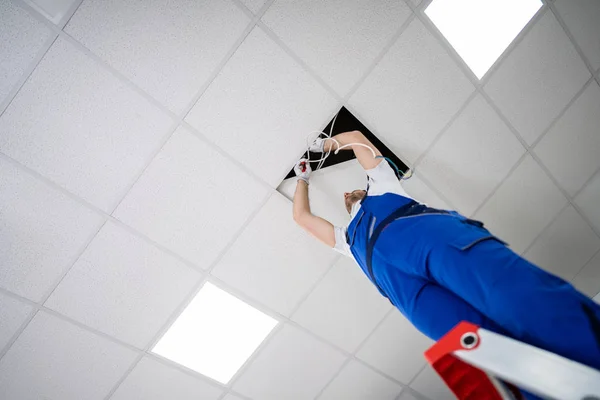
(215, 334)
(480, 30)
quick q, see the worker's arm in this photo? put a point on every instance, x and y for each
(364, 155)
(316, 226)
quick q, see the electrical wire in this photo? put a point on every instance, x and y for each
(402, 176)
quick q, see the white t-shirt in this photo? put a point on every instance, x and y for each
(382, 180)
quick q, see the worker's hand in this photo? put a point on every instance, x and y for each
(303, 170)
(317, 146)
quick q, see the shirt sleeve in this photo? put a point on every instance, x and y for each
(341, 245)
(383, 179)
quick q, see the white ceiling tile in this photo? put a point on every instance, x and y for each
(566, 246)
(337, 39)
(420, 191)
(254, 5)
(232, 397)
(293, 365)
(344, 308)
(22, 38)
(581, 17)
(396, 348)
(538, 78)
(78, 125)
(54, 10)
(431, 385)
(274, 261)
(357, 382)
(522, 206)
(472, 156)
(123, 286)
(53, 359)
(571, 147)
(412, 93)
(168, 48)
(42, 232)
(588, 199)
(13, 314)
(407, 395)
(152, 380)
(261, 107)
(191, 199)
(588, 279)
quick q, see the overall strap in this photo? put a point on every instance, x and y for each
(402, 211)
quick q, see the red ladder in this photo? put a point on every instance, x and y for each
(477, 364)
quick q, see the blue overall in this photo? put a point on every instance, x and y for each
(439, 268)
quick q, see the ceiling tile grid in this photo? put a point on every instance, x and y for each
(100, 131)
(53, 358)
(151, 380)
(337, 39)
(23, 37)
(124, 287)
(273, 260)
(344, 308)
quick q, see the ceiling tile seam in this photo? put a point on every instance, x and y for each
(72, 262)
(479, 83)
(90, 207)
(375, 328)
(353, 356)
(423, 368)
(219, 68)
(42, 18)
(339, 349)
(446, 127)
(23, 325)
(125, 375)
(176, 118)
(412, 392)
(147, 162)
(333, 378)
(298, 60)
(225, 154)
(314, 286)
(70, 13)
(499, 184)
(597, 252)
(514, 44)
(116, 221)
(299, 155)
(147, 350)
(117, 75)
(545, 229)
(562, 112)
(16, 88)
(250, 360)
(411, 5)
(567, 31)
(586, 183)
(371, 67)
(570, 199)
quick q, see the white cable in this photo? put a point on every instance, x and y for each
(321, 160)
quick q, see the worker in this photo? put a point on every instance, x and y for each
(439, 268)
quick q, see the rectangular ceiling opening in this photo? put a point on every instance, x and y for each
(345, 122)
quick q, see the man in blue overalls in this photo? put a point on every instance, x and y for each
(439, 267)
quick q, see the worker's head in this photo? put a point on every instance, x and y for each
(351, 198)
